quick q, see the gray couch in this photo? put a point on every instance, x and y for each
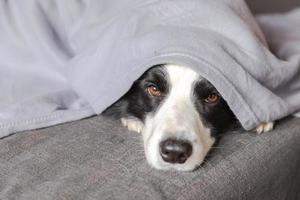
(96, 158)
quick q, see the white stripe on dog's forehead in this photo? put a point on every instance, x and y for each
(181, 78)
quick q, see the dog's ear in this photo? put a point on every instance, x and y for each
(123, 106)
(116, 110)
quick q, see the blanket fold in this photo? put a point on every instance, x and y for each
(86, 54)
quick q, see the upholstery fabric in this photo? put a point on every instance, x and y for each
(96, 158)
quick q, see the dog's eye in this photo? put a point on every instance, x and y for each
(153, 91)
(212, 98)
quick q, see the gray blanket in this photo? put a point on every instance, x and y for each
(62, 60)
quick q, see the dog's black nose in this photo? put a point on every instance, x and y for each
(175, 151)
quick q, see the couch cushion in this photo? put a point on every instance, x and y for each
(96, 158)
(259, 6)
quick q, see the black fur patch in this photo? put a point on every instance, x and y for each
(218, 117)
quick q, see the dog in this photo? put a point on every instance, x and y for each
(179, 113)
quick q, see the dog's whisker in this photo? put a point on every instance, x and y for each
(137, 143)
(226, 148)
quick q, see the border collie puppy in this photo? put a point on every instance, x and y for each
(179, 114)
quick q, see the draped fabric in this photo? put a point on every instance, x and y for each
(65, 60)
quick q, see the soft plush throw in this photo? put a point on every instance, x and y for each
(65, 60)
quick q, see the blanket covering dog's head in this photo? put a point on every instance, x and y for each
(218, 39)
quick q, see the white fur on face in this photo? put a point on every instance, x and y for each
(177, 118)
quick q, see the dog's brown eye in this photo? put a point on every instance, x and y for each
(212, 98)
(153, 91)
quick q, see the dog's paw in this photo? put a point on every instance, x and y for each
(133, 124)
(264, 127)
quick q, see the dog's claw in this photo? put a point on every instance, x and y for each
(133, 124)
(264, 127)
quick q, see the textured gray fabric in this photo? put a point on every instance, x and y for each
(96, 158)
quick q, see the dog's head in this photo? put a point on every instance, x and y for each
(179, 114)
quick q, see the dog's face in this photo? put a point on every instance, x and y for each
(179, 114)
